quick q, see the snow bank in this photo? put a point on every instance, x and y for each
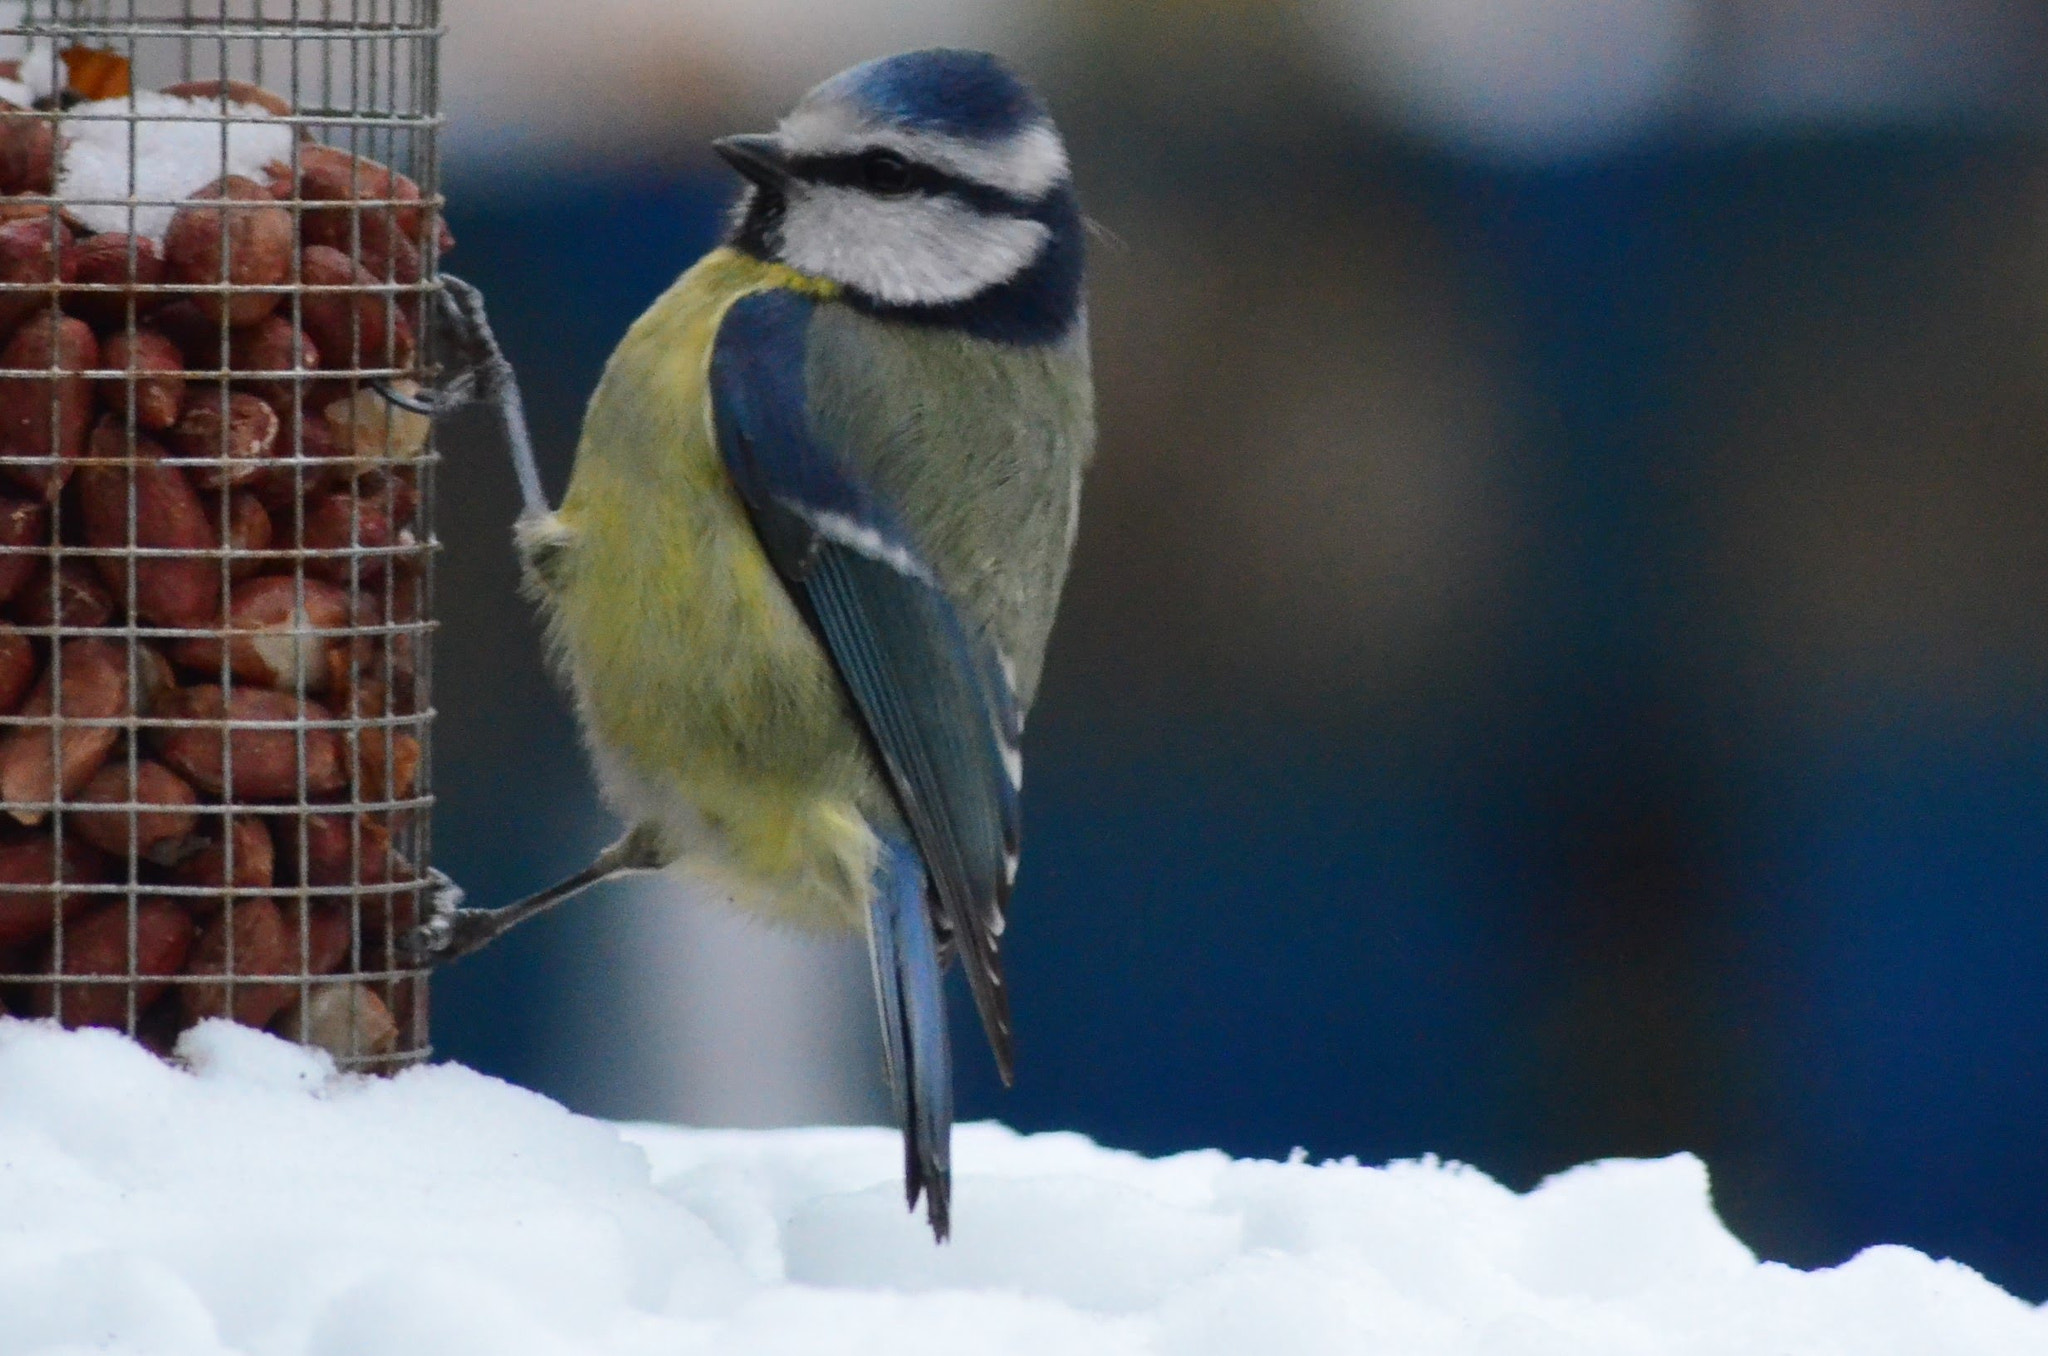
(260, 1204)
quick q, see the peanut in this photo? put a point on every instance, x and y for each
(70, 595)
(181, 590)
(28, 151)
(273, 345)
(243, 760)
(30, 866)
(395, 609)
(348, 1021)
(37, 763)
(318, 443)
(228, 441)
(24, 542)
(34, 259)
(246, 937)
(47, 418)
(331, 175)
(353, 329)
(389, 768)
(386, 252)
(119, 269)
(158, 832)
(326, 939)
(330, 850)
(273, 638)
(158, 382)
(248, 839)
(231, 91)
(384, 761)
(345, 536)
(95, 945)
(29, 206)
(17, 669)
(370, 428)
(231, 233)
(247, 532)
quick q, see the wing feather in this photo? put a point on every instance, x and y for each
(932, 696)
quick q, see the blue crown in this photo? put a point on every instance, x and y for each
(957, 93)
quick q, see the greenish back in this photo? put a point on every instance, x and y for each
(979, 445)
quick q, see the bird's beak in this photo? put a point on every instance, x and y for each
(759, 157)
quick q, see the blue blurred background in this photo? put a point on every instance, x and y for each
(1554, 665)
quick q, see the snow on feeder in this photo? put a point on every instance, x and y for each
(218, 236)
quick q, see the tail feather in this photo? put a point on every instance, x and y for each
(910, 991)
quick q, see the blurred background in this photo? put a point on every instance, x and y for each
(1554, 667)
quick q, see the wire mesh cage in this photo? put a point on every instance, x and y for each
(219, 232)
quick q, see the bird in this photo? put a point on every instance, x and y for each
(822, 510)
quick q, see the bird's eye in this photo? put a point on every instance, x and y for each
(885, 172)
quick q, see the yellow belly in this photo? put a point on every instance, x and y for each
(710, 709)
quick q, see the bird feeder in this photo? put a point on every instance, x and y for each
(219, 236)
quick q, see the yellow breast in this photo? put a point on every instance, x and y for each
(709, 705)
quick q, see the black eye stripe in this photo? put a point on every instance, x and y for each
(885, 172)
(850, 171)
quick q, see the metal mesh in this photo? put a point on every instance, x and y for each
(215, 526)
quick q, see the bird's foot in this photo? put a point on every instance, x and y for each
(449, 931)
(474, 366)
(475, 369)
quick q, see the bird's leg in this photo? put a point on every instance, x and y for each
(451, 932)
(475, 368)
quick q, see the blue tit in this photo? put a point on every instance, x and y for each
(821, 514)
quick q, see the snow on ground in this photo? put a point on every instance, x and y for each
(260, 1204)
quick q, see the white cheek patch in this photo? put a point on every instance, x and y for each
(909, 251)
(1027, 164)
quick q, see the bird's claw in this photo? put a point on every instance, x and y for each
(432, 404)
(449, 932)
(476, 365)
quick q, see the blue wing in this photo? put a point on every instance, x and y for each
(937, 708)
